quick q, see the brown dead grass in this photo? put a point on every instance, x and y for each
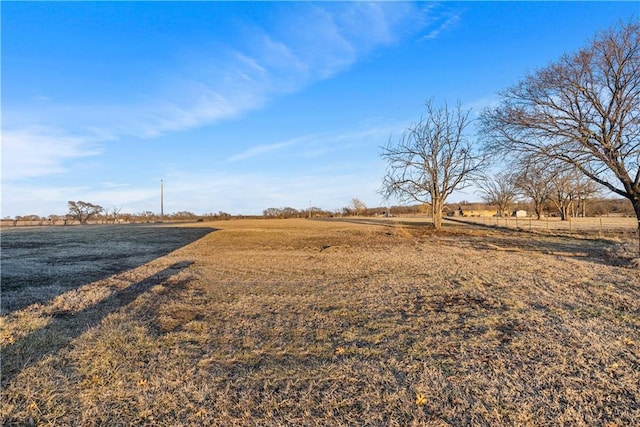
(298, 322)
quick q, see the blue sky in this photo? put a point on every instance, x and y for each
(242, 106)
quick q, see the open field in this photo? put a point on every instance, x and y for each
(299, 322)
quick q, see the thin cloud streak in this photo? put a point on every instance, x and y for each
(328, 41)
(318, 144)
(35, 152)
(448, 23)
(228, 82)
(258, 150)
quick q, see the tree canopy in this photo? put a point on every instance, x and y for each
(431, 160)
(83, 211)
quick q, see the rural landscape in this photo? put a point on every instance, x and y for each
(518, 308)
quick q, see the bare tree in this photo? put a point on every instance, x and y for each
(563, 191)
(358, 206)
(111, 215)
(183, 216)
(315, 211)
(271, 213)
(570, 189)
(584, 190)
(53, 218)
(286, 212)
(533, 180)
(147, 216)
(289, 212)
(83, 211)
(583, 110)
(432, 159)
(499, 190)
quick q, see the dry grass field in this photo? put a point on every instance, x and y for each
(603, 226)
(300, 322)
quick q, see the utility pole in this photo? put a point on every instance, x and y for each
(161, 201)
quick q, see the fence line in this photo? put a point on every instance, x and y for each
(601, 225)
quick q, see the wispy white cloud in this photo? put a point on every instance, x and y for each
(38, 151)
(439, 26)
(115, 185)
(19, 198)
(308, 43)
(319, 144)
(261, 149)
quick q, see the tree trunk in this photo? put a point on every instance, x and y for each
(538, 210)
(636, 208)
(436, 212)
(563, 213)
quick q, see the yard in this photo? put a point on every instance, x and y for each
(302, 322)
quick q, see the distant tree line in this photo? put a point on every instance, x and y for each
(543, 187)
(289, 212)
(586, 207)
(81, 212)
(355, 208)
(596, 207)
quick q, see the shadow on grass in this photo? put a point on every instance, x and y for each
(39, 264)
(380, 222)
(65, 327)
(579, 245)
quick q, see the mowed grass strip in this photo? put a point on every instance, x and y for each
(298, 322)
